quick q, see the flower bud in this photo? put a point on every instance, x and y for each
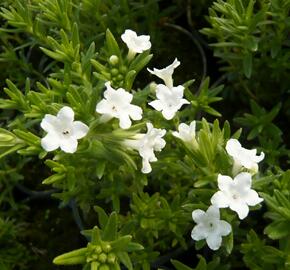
(103, 257)
(106, 247)
(98, 249)
(111, 258)
(114, 60)
(114, 71)
(123, 69)
(120, 77)
(104, 267)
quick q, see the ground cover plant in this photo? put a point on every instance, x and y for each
(144, 134)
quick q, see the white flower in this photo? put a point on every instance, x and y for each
(185, 132)
(210, 227)
(117, 104)
(146, 144)
(135, 44)
(236, 194)
(166, 73)
(62, 131)
(169, 100)
(243, 157)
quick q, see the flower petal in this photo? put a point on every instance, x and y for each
(66, 115)
(135, 112)
(243, 181)
(79, 129)
(224, 228)
(225, 182)
(168, 114)
(214, 241)
(69, 145)
(213, 212)
(241, 209)
(252, 198)
(156, 104)
(197, 215)
(233, 147)
(199, 232)
(103, 107)
(49, 123)
(219, 200)
(146, 167)
(125, 121)
(260, 157)
(50, 142)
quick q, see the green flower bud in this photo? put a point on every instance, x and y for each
(111, 258)
(120, 77)
(103, 257)
(153, 87)
(114, 71)
(98, 249)
(114, 60)
(104, 267)
(123, 69)
(106, 247)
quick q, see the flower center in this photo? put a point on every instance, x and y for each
(235, 196)
(65, 132)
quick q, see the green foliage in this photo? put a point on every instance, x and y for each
(13, 254)
(258, 255)
(56, 53)
(107, 248)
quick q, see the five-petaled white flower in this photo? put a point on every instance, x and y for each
(210, 227)
(186, 132)
(243, 157)
(169, 101)
(117, 104)
(236, 194)
(62, 131)
(146, 144)
(166, 73)
(135, 44)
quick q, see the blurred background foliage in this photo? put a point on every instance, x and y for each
(241, 44)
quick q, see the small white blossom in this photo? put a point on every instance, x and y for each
(236, 194)
(117, 104)
(243, 157)
(135, 44)
(169, 100)
(146, 144)
(166, 73)
(210, 227)
(62, 131)
(186, 132)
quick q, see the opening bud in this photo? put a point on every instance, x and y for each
(114, 60)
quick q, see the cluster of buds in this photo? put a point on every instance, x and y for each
(100, 256)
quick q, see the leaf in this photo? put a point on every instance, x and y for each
(278, 229)
(134, 247)
(73, 257)
(180, 266)
(247, 65)
(229, 243)
(110, 230)
(125, 259)
(103, 217)
(202, 264)
(121, 243)
(112, 45)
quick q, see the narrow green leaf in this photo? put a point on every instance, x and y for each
(247, 65)
(110, 230)
(73, 257)
(180, 266)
